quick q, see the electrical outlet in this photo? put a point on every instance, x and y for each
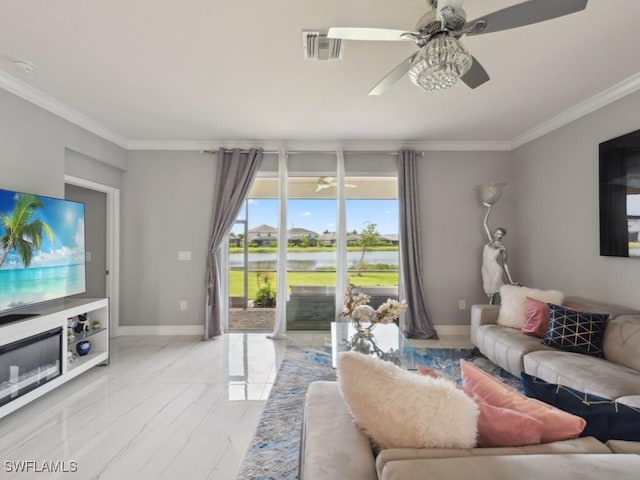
(462, 304)
(183, 304)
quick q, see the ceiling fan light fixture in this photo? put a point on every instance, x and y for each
(440, 63)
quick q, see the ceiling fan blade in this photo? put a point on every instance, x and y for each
(393, 76)
(526, 13)
(361, 33)
(476, 75)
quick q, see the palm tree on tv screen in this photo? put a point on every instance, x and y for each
(21, 233)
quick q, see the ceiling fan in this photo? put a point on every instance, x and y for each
(327, 182)
(442, 59)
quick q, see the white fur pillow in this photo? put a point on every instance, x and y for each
(399, 409)
(513, 300)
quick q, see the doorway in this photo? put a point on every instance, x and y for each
(103, 276)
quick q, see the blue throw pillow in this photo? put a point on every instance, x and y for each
(606, 419)
(575, 331)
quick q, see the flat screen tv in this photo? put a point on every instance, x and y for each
(620, 196)
(42, 252)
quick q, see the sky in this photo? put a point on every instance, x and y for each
(65, 218)
(633, 204)
(319, 215)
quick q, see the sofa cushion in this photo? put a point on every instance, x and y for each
(523, 467)
(606, 419)
(630, 400)
(590, 305)
(575, 445)
(623, 446)
(332, 446)
(557, 425)
(513, 301)
(505, 346)
(398, 408)
(622, 341)
(575, 331)
(583, 372)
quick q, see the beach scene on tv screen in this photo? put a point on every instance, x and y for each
(42, 250)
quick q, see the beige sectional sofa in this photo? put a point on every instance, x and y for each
(333, 447)
(617, 376)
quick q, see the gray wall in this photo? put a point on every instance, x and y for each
(38, 148)
(167, 199)
(452, 231)
(87, 168)
(556, 177)
(33, 145)
(95, 233)
(549, 208)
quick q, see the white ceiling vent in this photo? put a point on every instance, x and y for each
(317, 46)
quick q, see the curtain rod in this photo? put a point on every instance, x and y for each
(302, 152)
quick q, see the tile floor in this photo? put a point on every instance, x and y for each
(165, 408)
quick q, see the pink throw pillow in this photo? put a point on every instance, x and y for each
(537, 322)
(556, 424)
(500, 427)
(503, 427)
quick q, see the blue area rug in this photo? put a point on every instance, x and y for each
(273, 454)
(446, 361)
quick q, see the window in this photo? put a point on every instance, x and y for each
(312, 260)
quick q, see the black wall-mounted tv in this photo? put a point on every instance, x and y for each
(42, 252)
(620, 196)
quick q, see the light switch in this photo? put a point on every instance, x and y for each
(184, 256)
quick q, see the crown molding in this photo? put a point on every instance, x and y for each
(321, 145)
(44, 101)
(39, 98)
(590, 105)
(194, 145)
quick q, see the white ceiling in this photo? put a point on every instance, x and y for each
(201, 70)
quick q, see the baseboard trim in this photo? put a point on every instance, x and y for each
(148, 330)
(138, 330)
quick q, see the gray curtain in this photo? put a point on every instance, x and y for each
(235, 173)
(417, 323)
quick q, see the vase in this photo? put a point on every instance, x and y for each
(83, 347)
(364, 329)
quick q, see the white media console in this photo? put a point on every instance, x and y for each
(47, 320)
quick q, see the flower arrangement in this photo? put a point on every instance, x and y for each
(356, 307)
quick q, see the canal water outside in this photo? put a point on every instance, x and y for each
(310, 260)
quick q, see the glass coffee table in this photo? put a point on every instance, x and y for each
(385, 341)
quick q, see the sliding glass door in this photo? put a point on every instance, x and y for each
(372, 236)
(252, 259)
(369, 206)
(311, 253)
